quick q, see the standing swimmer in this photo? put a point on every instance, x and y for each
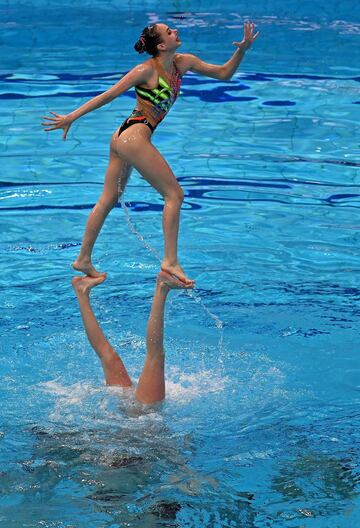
(157, 84)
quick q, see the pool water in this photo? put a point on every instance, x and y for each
(260, 427)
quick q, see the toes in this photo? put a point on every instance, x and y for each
(177, 275)
(172, 281)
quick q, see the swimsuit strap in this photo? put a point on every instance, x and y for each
(177, 69)
(169, 77)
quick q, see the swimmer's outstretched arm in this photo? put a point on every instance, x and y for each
(223, 71)
(114, 369)
(138, 75)
(151, 385)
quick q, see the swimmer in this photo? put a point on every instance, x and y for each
(151, 385)
(157, 85)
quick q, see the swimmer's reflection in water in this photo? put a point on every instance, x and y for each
(151, 385)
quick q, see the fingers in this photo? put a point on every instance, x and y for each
(50, 123)
(54, 123)
(249, 36)
(66, 130)
(56, 119)
(249, 28)
(55, 127)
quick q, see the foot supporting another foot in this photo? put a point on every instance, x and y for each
(83, 285)
(86, 267)
(176, 271)
(172, 282)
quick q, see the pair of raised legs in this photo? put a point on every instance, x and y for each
(133, 148)
(151, 385)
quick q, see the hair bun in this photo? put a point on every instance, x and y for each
(140, 45)
(148, 41)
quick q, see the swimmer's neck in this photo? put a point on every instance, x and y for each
(165, 60)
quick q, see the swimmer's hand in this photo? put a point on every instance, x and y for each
(249, 36)
(59, 121)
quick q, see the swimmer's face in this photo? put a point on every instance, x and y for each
(170, 38)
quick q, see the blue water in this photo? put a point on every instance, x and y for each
(260, 427)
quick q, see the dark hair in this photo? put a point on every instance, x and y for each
(148, 41)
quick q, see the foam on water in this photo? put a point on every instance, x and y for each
(183, 387)
(180, 387)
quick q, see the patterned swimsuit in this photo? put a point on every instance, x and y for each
(154, 103)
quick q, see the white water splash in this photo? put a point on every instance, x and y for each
(77, 399)
(71, 394)
(183, 388)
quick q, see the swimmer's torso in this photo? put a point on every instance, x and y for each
(155, 103)
(152, 104)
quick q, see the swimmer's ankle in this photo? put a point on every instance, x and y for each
(86, 267)
(78, 286)
(161, 286)
(170, 262)
(83, 260)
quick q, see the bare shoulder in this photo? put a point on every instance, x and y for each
(146, 68)
(184, 61)
(140, 73)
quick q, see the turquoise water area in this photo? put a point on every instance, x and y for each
(260, 427)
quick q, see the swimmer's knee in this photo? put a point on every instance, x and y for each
(108, 202)
(176, 195)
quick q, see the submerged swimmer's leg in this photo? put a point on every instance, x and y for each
(114, 369)
(151, 385)
(134, 145)
(117, 175)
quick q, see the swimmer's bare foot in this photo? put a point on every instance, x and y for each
(83, 285)
(176, 271)
(171, 282)
(86, 267)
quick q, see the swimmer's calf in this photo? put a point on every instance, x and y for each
(114, 369)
